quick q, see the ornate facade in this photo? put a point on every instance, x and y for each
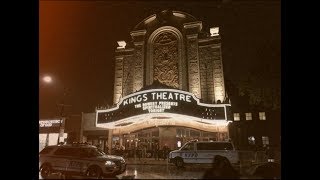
(171, 47)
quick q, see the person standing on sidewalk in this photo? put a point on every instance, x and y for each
(156, 151)
(165, 150)
(139, 151)
(144, 154)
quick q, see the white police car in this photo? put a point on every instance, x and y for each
(203, 152)
(79, 159)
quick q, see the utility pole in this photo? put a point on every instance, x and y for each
(62, 117)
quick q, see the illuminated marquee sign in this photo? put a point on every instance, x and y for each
(47, 126)
(163, 101)
(157, 101)
(49, 123)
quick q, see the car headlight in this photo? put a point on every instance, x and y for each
(109, 163)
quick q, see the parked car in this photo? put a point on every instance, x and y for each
(203, 152)
(79, 159)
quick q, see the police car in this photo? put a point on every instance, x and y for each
(203, 152)
(79, 159)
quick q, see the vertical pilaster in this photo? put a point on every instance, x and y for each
(192, 30)
(138, 70)
(218, 76)
(118, 79)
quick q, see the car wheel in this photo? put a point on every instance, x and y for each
(45, 171)
(94, 172)
(179, 162)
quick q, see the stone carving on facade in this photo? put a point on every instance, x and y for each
(193, 63)
(166, 59)
(118, 79)
(138, 69)
(127, 75)
(206, 73)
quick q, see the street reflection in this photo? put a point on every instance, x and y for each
(162, 172)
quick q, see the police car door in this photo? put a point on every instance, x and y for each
(222, 149)
(205, 153)
(189, 154)
(74, 162)
(59, 159)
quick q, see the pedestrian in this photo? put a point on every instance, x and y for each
(165, 150)
(156, 151)
(139, 151)
(221, 169)
(144, 151)
(106, 150)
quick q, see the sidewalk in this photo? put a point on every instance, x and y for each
(147, 161)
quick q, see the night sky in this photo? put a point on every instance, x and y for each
(78, 39)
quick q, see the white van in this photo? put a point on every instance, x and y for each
(203, 152)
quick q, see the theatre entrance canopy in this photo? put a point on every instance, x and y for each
(163, 107)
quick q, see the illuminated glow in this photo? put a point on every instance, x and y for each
(47, 79)
(153, 17)
(179, 15)
(262, 115)
(42, 141)
(161, 90)
(122, 44)
(137, 122)
(150, 120)
(214, 31)
(53, 139)
(157, 96)
(179, 144)
(153, 107)
(48, 123)
(61, 139)
(236, 116)
(248, 116)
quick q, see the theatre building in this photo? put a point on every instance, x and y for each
(168, 88)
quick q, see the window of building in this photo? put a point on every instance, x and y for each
(236, 116)
(248, 116)
(179, 133)
(265, 141)
(251, 140)
(194, 133)
(262, 115)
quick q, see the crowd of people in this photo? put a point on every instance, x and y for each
(141, 151)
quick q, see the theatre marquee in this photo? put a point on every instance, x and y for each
(163, 101)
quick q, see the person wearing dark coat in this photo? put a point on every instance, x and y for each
(221, 169)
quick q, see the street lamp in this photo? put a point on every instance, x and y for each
(47, 79)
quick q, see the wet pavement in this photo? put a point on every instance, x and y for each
(156, 169)
(153, 172)
(163, 172)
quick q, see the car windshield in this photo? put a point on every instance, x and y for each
(91, 152)
(188, 147)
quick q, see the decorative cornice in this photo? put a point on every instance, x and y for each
(193, 25)
(138, 33)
